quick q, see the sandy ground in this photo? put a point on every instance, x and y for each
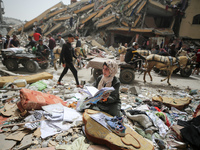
(177, 82)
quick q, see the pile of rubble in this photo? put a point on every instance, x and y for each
(159, 115)
(103, 18)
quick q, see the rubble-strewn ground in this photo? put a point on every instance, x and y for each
(180, 87)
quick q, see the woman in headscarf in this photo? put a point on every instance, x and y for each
(110, 103)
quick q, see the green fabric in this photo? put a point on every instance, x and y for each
(161, 115)
(40, 85)
(78, 144)
(33, 49)
(113, 104)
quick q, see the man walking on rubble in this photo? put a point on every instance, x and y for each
(132, 55)
(66, 59)
(61, 40)
(52, 44)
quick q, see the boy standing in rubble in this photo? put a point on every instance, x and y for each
(66, 59)
(52, 44)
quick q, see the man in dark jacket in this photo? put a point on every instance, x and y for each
(31, 43)
(132, 55)
(42, 50)
(66, 58)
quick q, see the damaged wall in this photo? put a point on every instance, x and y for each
(187, 28)
(93, 17)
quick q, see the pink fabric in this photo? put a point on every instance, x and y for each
(35, 100)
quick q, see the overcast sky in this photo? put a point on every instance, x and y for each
(28, 9)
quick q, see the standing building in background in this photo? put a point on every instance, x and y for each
(190, 25)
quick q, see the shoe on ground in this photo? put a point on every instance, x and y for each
(115, 119)
(117, 128)
(59, 83)
(79, 86)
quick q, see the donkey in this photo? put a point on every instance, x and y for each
(164, 63)
(57, 50)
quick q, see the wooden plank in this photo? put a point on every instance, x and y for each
(110, 1)
(136, 21)
(141, 6)
(57, 12)
(103, 11)
(106, 18)
(84, 8)
(90, 17)
(106, 23)
(125, 24)
(29, 79)
(130, 5)
(62, 18)
(53, 29)
(146, 30)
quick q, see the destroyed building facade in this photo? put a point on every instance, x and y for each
(114, 21)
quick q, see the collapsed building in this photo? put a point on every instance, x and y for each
(114, 21)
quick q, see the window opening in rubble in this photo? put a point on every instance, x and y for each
(196, 19)
(122, 39)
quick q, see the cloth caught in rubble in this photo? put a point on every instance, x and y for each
(191, 131)
(35, 100)
(107, 81)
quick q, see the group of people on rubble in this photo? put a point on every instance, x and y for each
(7, 42)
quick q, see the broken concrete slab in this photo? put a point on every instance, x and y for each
(135, 90)
(17, 136)
(6, 144)
(26, 142)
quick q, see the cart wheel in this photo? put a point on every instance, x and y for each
(156, 70)
(126, 76)
(186, 72)
(96, 73)
(44, 66)
(176, 70)
(11, 64)
(32, 66)
(164, 72)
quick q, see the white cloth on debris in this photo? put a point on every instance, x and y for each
(158, 123)
(49, 128)
(71, 115)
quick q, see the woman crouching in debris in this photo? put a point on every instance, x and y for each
(111, 102)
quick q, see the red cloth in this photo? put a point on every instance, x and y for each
(35, 100)
(198, 55)
(157, 109)
(36, 36)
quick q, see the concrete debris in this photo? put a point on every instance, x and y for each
(106, 19)
(135, 102)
